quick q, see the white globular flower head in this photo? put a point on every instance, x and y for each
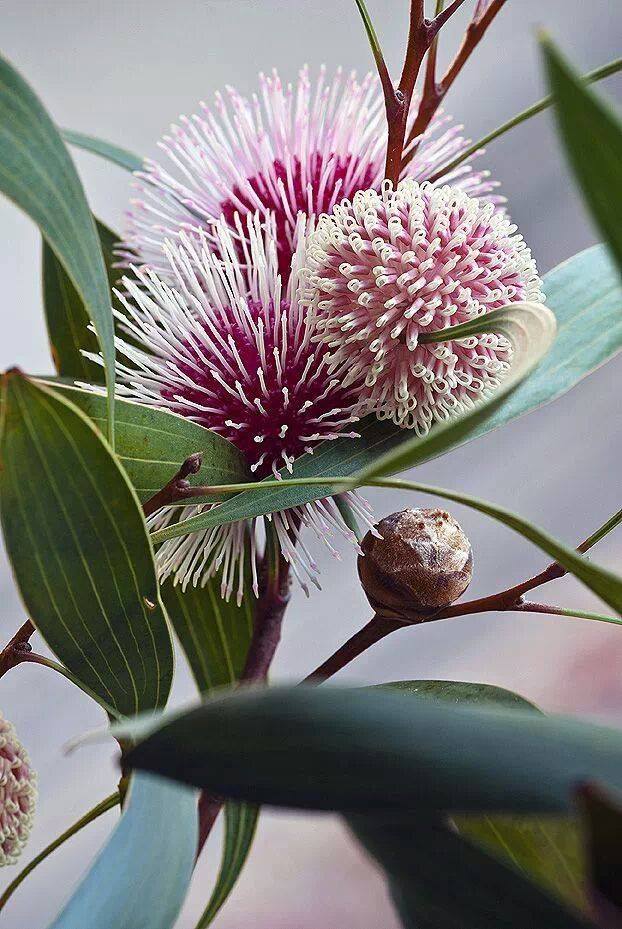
(220, 341)
(388, 266)
(18, 794)
(290, 148)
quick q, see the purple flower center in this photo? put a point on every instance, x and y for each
(309, 194)
(270, 395)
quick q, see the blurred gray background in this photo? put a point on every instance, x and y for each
(124, 71)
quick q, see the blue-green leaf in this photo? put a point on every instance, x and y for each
(371, 751)
(140, 878)
(37, 173)
(114, 153)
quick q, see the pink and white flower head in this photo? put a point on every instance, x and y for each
(18, 794)
(288, 149)
(227, 347)
(390, 265)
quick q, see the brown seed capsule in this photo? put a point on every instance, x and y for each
(423, 562)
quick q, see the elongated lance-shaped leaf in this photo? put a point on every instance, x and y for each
(37, 173)
(141, 877)
(437, 879)
(601, 816)
(113, 153)
(66, 316)
(546, 849)
(240, 827)
(531, 328)
(215, 636)
(152, 443)
(591, 133)
(79, 549)
(361, 751)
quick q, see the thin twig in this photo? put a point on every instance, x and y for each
(510, 600)
(420, 36)
(269, 611)
(435, 92)
(376, 629)
(443, 15)
(597, 75)
(13, 653)
(178, 488)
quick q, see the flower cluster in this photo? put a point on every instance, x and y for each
(287, 150)
(389, 266)
(229, 348)
(18, 794)
(243, 318)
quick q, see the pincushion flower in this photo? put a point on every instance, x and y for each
(229, 348)
(18, 794)
(287, 150)
(389, 266)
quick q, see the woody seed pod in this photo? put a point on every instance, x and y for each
(422, 563)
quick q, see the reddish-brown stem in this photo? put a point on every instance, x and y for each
(13, 653)
(443, 15)
(269, 611)
(178, 488)
(376, 629)
(268, 621)
(420, 34)
(503, 601)
(209, 807)
(434, 92)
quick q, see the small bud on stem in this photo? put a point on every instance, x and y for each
(421, 563)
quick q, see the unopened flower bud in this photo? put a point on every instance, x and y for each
(17, 794)
(421, 563)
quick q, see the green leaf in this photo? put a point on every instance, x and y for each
(140, 878)
(215, 636)
(547, 849)
(604, 583)
(334, 749)
(66, 317)
(439, 880)
(460, 693)
(37, 173)
(118, 156)
(80, 551)
(152, 444)
(592, 136)
(601, 816)
(240, 827)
